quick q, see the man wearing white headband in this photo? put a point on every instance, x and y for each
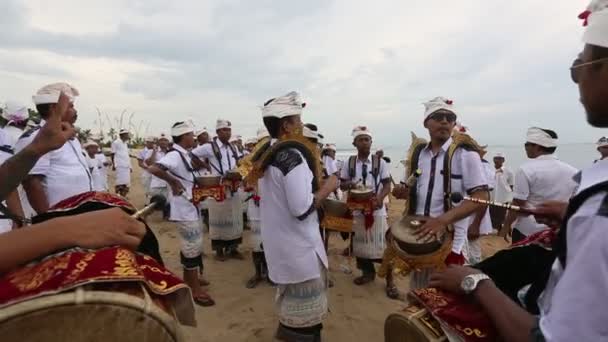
(175, 168)
(573, 301)
(146, 178)
(202, 136)
(61, 173)
(226, 217)
(157, 185)
(367, 171)
(602, 147)
(540, 179)
(103, 161)
(16, 116)
(294, 251)
(121, 159)
(94, 164)
(427, 193)
(503, 190)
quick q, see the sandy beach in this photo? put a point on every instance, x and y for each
(357, 313)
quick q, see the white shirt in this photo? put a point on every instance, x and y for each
(12, 135)
(103, 169)
(292, 246)
(156, 182)
(330, 165)
(467, 174)
(65, 170)
(573, 305)
(538, 180)
(504, 179)
(368, 181)
(228, 162)
(5, 153)
(121, 153)
(95, 167)
(182, 209)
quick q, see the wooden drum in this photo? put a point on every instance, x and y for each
(413, 324)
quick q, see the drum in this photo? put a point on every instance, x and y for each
(113, 312)
(337, 216)
(208, 181)
(360, 195)
(233, 175)
(413, 324)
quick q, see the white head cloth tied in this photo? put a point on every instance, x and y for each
(539, 137)
(15, 112)
(596, 20)
(181, 129)
(603, 142)
(123, 131)
(251, 141)
(309, 133)
(438, 103)
(262, 133)
(221, 123)
(284, 106)
(202, 131)
(331, 147)
(359, 131)
(163, 136)
(89, 144)
(50, 93)
(499, 155)
(150, 139)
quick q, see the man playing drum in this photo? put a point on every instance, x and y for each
(176, 169)
(226, 217)
(572, 306)
(61, 173)
(297, 261)
(447, 166)
(370, 172)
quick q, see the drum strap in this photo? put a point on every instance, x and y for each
(218, 155)
(352, 169)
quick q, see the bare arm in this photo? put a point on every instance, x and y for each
(159, 171)
(35, 193)
(13, 203)
(512, 215)
(16, 168)
(152, 159)
(466, 208)
(141, 164)
(329, 186)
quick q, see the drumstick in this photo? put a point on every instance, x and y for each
(457, 197)
(157, 202)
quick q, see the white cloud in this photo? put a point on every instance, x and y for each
(356, 62)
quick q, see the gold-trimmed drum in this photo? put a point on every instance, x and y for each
(413, 324)
(337, 216)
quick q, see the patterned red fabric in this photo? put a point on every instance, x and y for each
(454, 259)
(461, 314)
(544, 238)
(92, 196)
(67, 270)
(366, 206)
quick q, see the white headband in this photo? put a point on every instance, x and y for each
(15, 112)
(163, 136)
(181, 129)
(251, 141)
(499, 155)
(123, 131)
(284, 106)
(603, 142)
(220, 124)
(150, 139)
(596, 19)
(50, 93)
(359, 131)
(539, 137)
(309, 133)
(204, 130)
(89, 144)
(331, 147)
(436, 104)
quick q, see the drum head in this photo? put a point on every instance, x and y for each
(403, 232)
(401, 328)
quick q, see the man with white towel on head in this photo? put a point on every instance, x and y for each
(61, 173)
(16, 115)
(122, 163)
(542, 178)
(226, 217)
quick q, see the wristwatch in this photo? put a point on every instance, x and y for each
(470, 282)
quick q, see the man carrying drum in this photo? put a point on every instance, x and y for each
(572, 306)
(176, 169)
(464, 174)
(225, 217)
(368, 172)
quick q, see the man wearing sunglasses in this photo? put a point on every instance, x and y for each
(447, 167)
(573, 304)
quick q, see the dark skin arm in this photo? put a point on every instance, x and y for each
(386, 189)
(35, 193)
(175, 185)
(507, 228)
(329, 186)
(473, 232)
(152, 159)
(13, 203)
(512, 321)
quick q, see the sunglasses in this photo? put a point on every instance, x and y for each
(449, 117)
(578, 64)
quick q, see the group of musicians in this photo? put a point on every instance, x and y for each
(51, 166)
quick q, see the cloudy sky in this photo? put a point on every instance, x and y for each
(505, 64)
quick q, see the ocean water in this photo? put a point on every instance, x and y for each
(577, 155)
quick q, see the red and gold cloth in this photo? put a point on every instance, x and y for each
(200, 194)
(544, 238)
(460, 314)
(67, 270)
(92, 197)
(366, 207)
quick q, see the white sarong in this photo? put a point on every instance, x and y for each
(226, 219)
(369, 243)
(123, 176)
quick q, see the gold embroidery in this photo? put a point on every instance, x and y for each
(125, 263)
(30, 278)
(470, 331)
(79, 268)
(155, 269)
(158, 287)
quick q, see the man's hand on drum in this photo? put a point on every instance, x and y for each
(104, 228)
(401, 191)
(550, 213)
(176, 187)
(55, 132)
(451, 278)
(431, 229)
